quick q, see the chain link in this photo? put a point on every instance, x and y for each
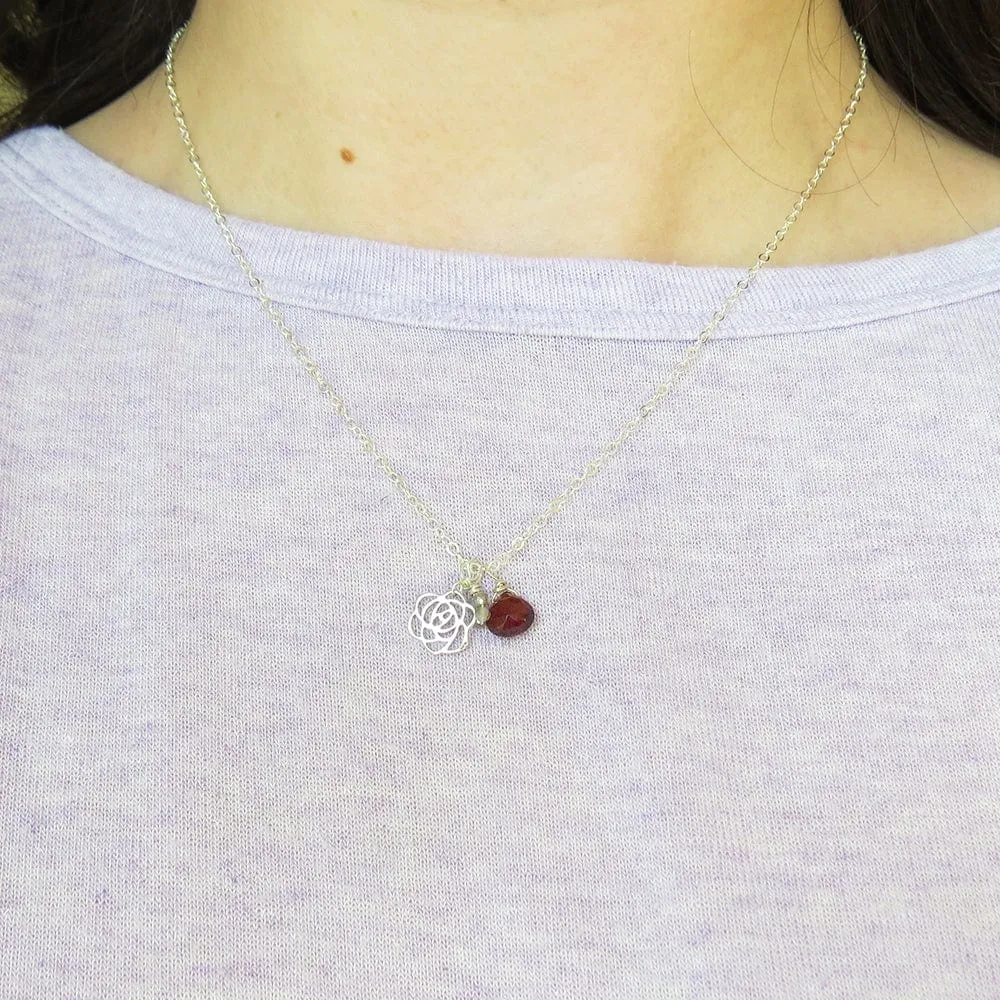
(473, 570)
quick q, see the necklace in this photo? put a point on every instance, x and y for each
(443, 622)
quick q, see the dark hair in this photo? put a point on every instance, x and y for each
(67, 58)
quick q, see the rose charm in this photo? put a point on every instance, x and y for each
(442, 621)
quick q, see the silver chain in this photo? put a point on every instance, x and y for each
(474, 570)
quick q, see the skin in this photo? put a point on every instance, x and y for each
(671, 131)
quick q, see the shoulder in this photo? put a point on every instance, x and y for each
(15, 192)
(35, 182)
(61, 250)
(38, 237)
(33, 238)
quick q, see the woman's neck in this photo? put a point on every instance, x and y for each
(670, 130)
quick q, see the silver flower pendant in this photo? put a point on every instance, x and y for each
(442, 622)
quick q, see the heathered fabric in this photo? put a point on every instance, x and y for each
(750, 749)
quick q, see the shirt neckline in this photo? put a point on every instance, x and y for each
(455, 289)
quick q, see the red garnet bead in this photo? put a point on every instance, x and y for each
(510, 615)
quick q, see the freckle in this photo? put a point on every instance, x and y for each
(346, 155)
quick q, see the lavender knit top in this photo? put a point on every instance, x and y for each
(749, 749)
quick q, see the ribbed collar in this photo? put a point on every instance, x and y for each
(449, 289)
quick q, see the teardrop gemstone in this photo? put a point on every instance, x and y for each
(510, 615)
